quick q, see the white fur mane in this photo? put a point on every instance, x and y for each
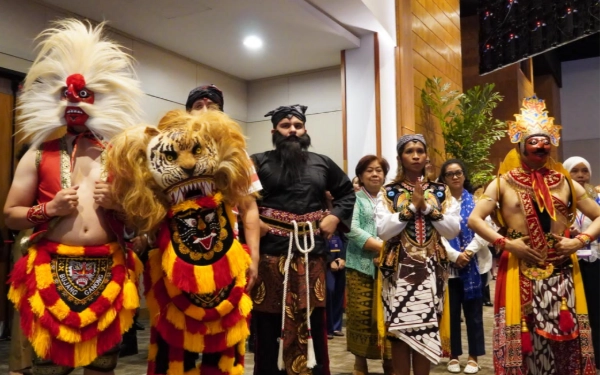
(73, 47)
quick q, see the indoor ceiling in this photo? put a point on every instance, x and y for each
(297, 35)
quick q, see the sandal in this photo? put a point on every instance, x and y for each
(454, 366)
(472, 367)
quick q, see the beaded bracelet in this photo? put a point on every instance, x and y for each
(499, 244)
(585, 239)
(37, 214)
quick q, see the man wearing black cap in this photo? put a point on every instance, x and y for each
(209, 97)
(295, 227)
(201, 97)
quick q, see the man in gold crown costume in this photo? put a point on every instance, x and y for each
(541, 319)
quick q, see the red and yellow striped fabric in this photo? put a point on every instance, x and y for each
(56, 332)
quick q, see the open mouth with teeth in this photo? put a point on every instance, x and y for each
(75, 115)
(198, 229)
(200, 233)
(190, 188)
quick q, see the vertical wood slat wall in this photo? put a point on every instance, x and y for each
(6, 155)
(437, 52)
(6, 151)
(430, 29)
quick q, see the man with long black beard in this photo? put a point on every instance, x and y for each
(295, 227)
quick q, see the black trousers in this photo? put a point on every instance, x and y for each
(590, 273)
(486, 288)
(336, 288)
(266, 348)
(473, 310)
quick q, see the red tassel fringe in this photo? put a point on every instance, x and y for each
(565, 321)
(526, 344)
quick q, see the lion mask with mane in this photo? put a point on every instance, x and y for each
(156, 168)
(182, 179)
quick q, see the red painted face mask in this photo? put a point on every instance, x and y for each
(75, 92)
(537, 151)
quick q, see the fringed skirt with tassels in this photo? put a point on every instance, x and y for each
(197, 309)
(536, 303)
(75, 301)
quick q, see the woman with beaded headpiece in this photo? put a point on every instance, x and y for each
(412, 216)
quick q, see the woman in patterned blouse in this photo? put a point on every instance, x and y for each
(363, 248)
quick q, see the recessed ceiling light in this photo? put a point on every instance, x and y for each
(253, 42)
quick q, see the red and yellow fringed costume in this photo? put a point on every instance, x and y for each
(541, 317)
(194, 284)
(75, 301)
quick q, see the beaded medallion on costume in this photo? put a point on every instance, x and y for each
(195, 283)
(419, 239)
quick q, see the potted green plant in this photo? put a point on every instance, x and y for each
(467, 124)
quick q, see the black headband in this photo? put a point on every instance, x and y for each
(279, 113)
(211, 92)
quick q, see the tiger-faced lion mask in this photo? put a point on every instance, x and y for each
(154, 168)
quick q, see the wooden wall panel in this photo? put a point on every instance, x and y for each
(436, 45)
(405, 108)
(429, 45)
(6, 152)
(6, 155)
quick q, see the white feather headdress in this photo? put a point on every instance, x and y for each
(74, 47)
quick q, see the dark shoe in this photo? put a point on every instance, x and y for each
(488, 303)
(138, 326)
(330, 337)
(338, 333)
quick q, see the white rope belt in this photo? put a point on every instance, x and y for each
(310, 360)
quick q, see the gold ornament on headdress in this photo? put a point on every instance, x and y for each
(533, 120)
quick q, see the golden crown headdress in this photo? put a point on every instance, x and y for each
(533, 120)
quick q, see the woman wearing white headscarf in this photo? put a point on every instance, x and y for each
(580, 171)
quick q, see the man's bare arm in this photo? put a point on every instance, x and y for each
(589, 208)
(484, 208)
(251, 220)
(22, 193)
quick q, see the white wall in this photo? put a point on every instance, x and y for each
(166, 77)
(579, 102)
(320, 91)
(385, 13)
(387, 89)
(579, 97)
(360, 101)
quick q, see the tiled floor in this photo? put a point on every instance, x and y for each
(341, 360)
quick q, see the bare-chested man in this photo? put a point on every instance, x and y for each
(541, 321)
(75, 290)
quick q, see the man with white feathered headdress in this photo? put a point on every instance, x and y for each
(76, 287)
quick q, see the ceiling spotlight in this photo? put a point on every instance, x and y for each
(253, 42)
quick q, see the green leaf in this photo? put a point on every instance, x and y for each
(467, 124)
